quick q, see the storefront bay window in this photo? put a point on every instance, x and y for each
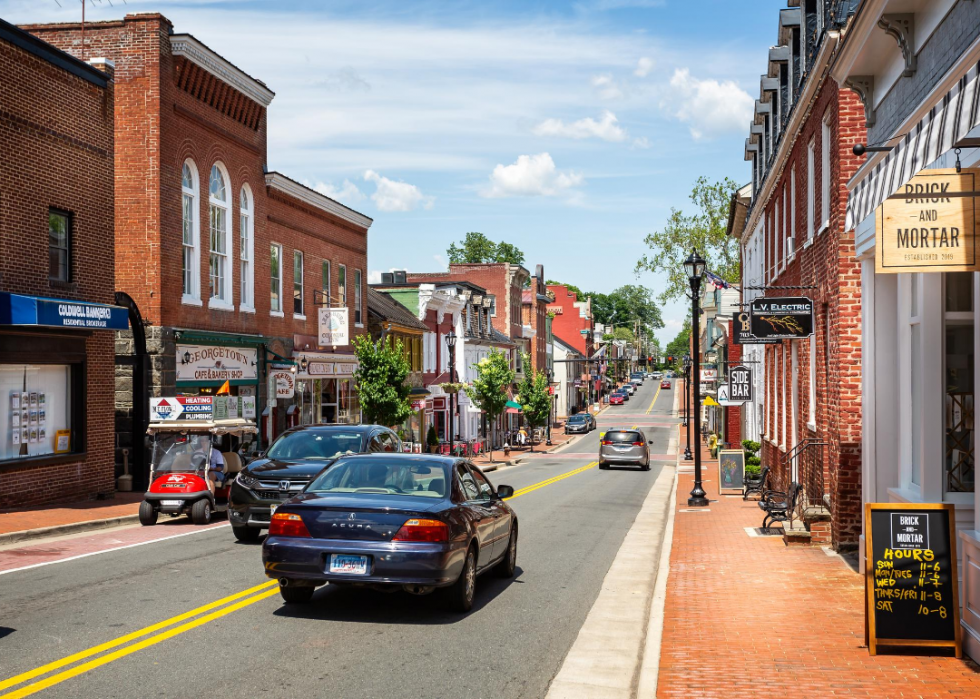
(39, 410)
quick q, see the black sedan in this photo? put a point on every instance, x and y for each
(393, 521)
(293, 459)
(580, 423)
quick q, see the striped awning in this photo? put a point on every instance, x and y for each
(947, 123)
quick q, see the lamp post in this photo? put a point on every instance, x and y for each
(551, 401)
(451, 343)
(687, 405)
(694, 265)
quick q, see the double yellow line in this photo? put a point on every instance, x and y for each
(161, 631)
(654, 401)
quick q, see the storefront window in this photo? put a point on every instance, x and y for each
(36, 410)
(959, 471)
(915, 379)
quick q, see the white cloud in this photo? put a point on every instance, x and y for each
(643, 67)
(606, 87)
(345, 79)
(391, 195)
(441, 261)
(641, 143)
(531, 176)
(607, 128)
(374, 276)
(709, 107)
(673, 324)
(347, 193)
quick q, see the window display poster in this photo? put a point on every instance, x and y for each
(15, 420)
(38, 404)
(41, 434)
(33, 439)
(16, 436)
(62, 441)
(33, 399)
(15, 401)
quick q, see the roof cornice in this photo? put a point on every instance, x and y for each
(194, 51)
(277, 180)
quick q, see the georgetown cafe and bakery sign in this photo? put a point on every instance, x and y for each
(929, 224)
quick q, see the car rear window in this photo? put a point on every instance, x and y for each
(624, 436)
(382, 477)
(577, 418)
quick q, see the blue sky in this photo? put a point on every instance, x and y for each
(567, 128)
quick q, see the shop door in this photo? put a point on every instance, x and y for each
(328, 400)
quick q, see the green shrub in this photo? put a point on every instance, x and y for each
(753, 461)
(431, 439)
(752, 470)
(751, 447)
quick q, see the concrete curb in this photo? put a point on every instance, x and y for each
(63, 529)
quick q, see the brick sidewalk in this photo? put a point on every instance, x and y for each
(27, 518)
(558, 438)
(750, 617)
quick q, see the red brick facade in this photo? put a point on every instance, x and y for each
(57, 157)
(568, 322)
(535, 315)
(827, 263)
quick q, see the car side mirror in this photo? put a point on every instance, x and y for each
(505, 491)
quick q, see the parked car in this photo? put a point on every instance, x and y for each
(624, 446)
(630, 388)
(637, 376)
(621, 392)
(665, 384)
(616, 399)
(405, 521)
(658, 374)
(580, 423)
(288, 465)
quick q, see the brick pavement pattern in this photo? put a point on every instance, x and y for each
(750, 617)
(26, 518)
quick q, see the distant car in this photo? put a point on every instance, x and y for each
(288, 465)
(616, 399)
(622, 392)
(397, 522)
(630, 387)
(665, 384)
(657, 375)
(637, 376)
(620, 446)
(580, 423)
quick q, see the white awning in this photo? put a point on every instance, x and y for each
(947, 123)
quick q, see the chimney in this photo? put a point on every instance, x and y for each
(539, 272)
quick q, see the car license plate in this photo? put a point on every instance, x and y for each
(348, 565)
(170, 503)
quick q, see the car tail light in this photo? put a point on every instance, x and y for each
(288, 524)
(606, 442)
(637, 444)
(423, 530)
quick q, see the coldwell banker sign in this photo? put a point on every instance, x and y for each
(784, 318)
(929, 225)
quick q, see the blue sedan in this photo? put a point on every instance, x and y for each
(418, 523)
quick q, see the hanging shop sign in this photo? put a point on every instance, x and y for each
(285, 382)
(929, 225)
(216, 364)
(740, 384)
(911, 583)
(731, 471)
(742, 331)
(782, 318)
(709, 374)
(333, 326)
(724, 400)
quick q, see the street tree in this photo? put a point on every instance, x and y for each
(626, 305)
(704, 231)
(382, 368)
(489, 389)
(624, 334)
(477, 247)
(534, 397)
(680, 345)
(571, 287)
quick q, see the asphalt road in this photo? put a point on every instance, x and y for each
(80, 627)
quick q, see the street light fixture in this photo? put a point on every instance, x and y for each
(687, 406)
(551, 376)
(451, 343)
(695, 265)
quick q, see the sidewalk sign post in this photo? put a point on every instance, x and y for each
(694, 265)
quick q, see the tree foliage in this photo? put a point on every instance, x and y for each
(680, 345)
(571, 287)
(704, 231)
(380, 377)
(534, 396)
(620, 334)
(477, 247)
(625, 305)
(489, 389)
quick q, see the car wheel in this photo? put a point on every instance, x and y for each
(508, 564)
(603, 465)
(462, 591)
(296, 595)
(246, 534)
(148, 514)
(646, 466)
(201, 511)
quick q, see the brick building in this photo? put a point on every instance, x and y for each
(226, 260)
(800, 150)
(56, 274)
(572, 320)
(534, 316)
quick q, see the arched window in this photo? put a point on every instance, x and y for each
(191, 258)
(218, 207)
(246, 234)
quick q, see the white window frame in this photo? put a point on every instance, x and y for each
(358, 298)
(275, 283)
(776, 235)
(811, 410)
(825, 142)
(810, 190)
(224, 302)
(193, 192)
(300, 284)
(246, 234)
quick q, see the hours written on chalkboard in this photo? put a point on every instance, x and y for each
(911, 576)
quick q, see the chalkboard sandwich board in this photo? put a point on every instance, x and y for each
(731, 471)
(912, 588)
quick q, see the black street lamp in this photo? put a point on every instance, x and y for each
(451, 343)
(695, 265)
(551, 376)
(687, 405)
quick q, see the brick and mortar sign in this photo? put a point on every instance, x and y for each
(929, 225)
(204, 363)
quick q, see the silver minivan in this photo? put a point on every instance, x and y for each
(624, 447)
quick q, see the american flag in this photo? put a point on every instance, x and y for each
(717, 281)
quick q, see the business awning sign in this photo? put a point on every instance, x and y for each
(782, 318)
(18, 309)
